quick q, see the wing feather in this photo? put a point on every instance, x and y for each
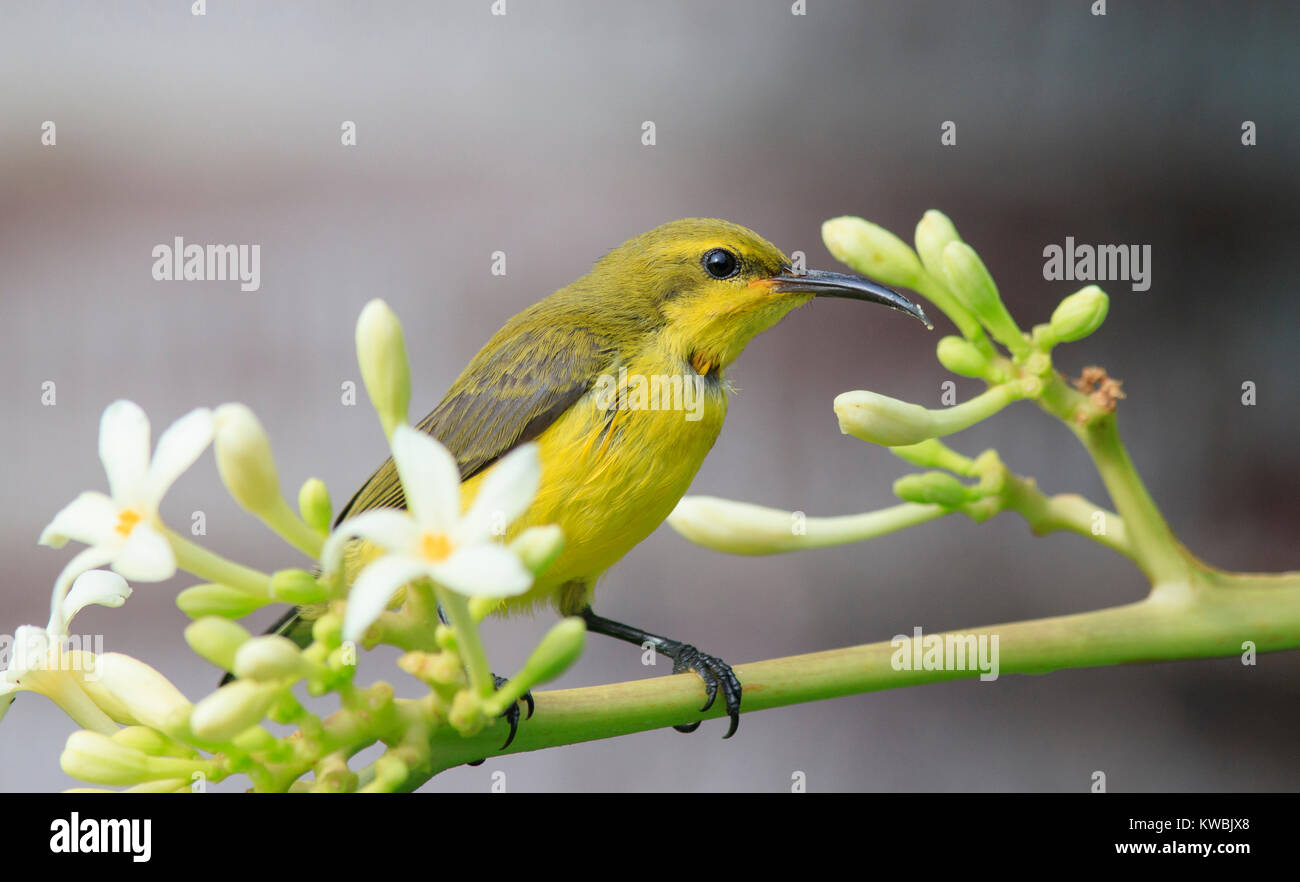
(532, 371)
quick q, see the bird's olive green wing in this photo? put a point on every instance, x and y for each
(518, 384)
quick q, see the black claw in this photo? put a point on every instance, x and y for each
(511, 715)
(716, 674)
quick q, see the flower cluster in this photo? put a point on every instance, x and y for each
(418, 564)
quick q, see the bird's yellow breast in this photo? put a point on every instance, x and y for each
(614, 465)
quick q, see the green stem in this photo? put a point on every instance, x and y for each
(468, 642)
(208, 565)
(285, 523)
(1177, 622)
(1065, 511)
(981, 407)
(1155, 549)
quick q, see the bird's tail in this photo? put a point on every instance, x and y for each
(294, 625)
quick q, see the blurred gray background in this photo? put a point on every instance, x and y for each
(522, 134)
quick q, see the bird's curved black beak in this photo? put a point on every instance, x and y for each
(821, 283)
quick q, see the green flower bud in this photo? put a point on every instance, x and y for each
(314, 505)
(217, 640)
(971, 284)
(381, 354)
(232, 709)
(332, 775)
(932, 488)
(269, 657)
(297, 586)
(328, 629)
(433, 668)
(933, 234)
(445, 668)
(872, 250)
(217, 600)
(557, 651)
(538, 547)
(883, 420)
(391, 772)
(1079, 315)
(962, 357)
(466, 714)
(244, 459)
(445, 635)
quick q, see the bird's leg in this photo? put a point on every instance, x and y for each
(511, 713)
(715, 673)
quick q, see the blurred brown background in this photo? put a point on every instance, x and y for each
(522, 134)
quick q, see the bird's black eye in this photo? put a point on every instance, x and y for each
(721, 263)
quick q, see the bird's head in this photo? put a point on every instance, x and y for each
(716, 285)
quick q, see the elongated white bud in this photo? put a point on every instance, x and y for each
(244, 459)
(381, 355)
(872, 250)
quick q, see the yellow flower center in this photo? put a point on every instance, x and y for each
(435, 546)
(126, 521)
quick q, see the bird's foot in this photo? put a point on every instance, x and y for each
(511, 715)
(716, 675)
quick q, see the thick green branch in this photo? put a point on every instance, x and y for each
(1178, 621)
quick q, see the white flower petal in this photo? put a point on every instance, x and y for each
(90, 518)
(124, 450)
(504, 494)
(86, 559)
(374, 589)
(30, 651)
(430, 478)
(98, 587)
(483, 571)
(178, 448)
(395, 530)
(146, 556)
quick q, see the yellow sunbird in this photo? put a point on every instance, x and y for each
(676, 305)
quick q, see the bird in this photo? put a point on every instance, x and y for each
(679, 303)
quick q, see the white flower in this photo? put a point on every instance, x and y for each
(431, 538)
(36, 660)
(122, 529)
